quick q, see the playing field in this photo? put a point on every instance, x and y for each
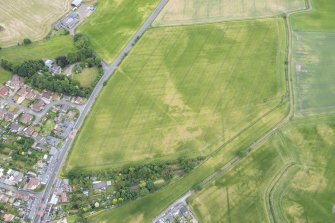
(294, 168)
(31, 19)
(50, 48)
(180, 12)
(114, 23)
(320, 19)
(314, 72)
(183, 91)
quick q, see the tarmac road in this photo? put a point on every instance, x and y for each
(108, 72)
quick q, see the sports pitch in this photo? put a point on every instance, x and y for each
(294, 169)
(181, 12)
(314, 72)
(183, 91)
(32, 19)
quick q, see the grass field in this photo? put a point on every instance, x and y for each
(49, 48)
(303, 193)
(181, 12)
(87, 76)
(4, 76)
(314, 72)
(32, 19)
(173, 94)
(145, 209)
(320, 19)
(114, 23)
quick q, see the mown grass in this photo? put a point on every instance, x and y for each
(114, 23)
(87, 76)
(314, 72)
(181, 12)
(49, 48)
(320, 19)
(184, 91)
(304, 194)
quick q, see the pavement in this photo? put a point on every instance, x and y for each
(109, 70)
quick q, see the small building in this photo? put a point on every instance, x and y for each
(26, 118)
(52, 67)
(76, 3)
(38, 106)
(32, 184)
(15, 127)
(8, 217)
(5, 91)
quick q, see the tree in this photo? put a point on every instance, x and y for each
(6, 65)
(29, 68)
(26, 41)
(62, 61)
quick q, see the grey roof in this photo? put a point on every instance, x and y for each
(76, 3)
(53, 151)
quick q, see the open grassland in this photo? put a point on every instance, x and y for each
(114, 23)
(181, 12)
(32, 19)
(4, 75)
(145, 209)
(314, 72)
(183, 91)
(301, 155)
(49, 48)
(87, 76)
(320, 19)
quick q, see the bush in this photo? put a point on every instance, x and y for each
(6, 65)
(27, 41)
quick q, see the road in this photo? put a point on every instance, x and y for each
(108, 71)
(39, 115)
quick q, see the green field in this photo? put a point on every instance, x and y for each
(314, 72)
(145, 209)
(114, 23)
(173, 94)
(181, 12)
(4, 75)
(28, 19)
(302, 191)
(320, 19)
(50, 48)
(87, 76)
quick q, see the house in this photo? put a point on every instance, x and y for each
(76, 3)
(63, 197)
(10, 116)
(15, 82)
(47, 97)
(15, 127)
(5, 91)
(29, 131)
(53, 141)
(38, 106)
(22, 91)
(26, 118)
(52, 67)
(32, 184)
(8, 217)
(30, 94)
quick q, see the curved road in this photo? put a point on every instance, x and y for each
(108, 71)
